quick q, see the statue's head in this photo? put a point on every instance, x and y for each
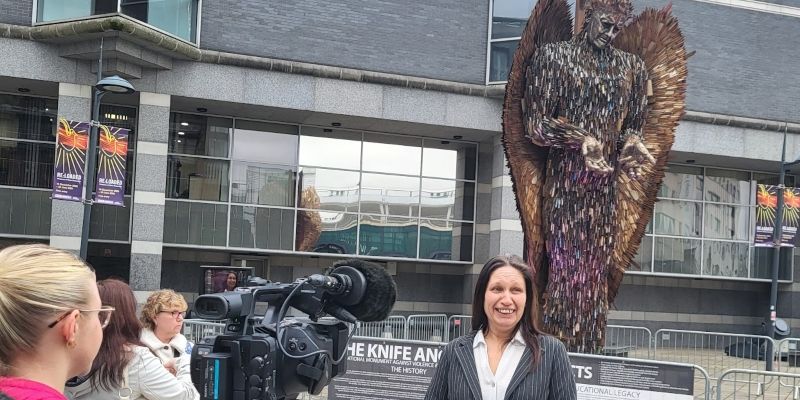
(604, 19)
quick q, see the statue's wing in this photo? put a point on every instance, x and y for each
(550, 22)
(655, 37)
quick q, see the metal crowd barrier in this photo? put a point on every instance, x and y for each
(427, 328)
(628, 341)
(196, 329)
(713, 351)
(741, 384)
(458, 325)
(393, 327)
(787, 355)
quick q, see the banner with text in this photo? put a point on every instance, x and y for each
(386, 369)
(599, 378)
(111, 162)
(766, 207)
(72, 141)
(396, 369)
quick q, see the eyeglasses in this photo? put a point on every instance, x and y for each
(175, 314)
(103, 314)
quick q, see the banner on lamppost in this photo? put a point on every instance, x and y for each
(766, 207)
(111, 166)
(72, 141)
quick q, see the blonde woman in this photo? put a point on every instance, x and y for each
(51, 321)
(162, 319)
(124, 369)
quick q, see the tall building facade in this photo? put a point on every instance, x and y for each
(380, 124)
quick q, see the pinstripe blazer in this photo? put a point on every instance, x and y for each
(456, 377)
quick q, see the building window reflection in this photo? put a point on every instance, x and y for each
(703, 226)
(27, 148)
(175, 17)
(321, 190)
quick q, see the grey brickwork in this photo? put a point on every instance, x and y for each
(17, 12)
(66, 221)
(151, 175)
(442, 39)
(746, 61)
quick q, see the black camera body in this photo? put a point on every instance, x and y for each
(248, 362)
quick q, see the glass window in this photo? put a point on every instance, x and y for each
(727, 222)
(26, 164)
(263, 228)
(725, 259)
(337, 190)
(337, 236)
(447, 199)
(54, 10)
(450, 160)
(445, 240)
(392, 154)
(195, 223)
(682, 182)
(761, 259)
(197, 178)
(678, 218)
(644, 256)
(316, 145)
(726, 186)
(676, 256)
(264, 184)
(178, 17)
(111, 222)
(500, 57)
(25, 212)
(264, 142)
(772, 179)
(30, 118)
(387, 236)
(199, 135)
(509, 17)
(389, 194)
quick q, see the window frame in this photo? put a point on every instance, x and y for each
(195, 42)
(703, 239)
(358, 214)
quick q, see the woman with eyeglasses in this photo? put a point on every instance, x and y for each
(162, 318)
(124, 368)
(51, 321)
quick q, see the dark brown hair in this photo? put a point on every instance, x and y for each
(121, 333)
(527, 326)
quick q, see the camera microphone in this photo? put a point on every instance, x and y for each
(359, 290)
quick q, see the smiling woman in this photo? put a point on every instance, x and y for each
(506, 356)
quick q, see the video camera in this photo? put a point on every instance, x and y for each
(278, 358)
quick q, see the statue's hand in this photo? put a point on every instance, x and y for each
(592, 152)
(634, 156)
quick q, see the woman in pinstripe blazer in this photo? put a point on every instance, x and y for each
(506, 357)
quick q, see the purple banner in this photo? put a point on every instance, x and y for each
(71, 143)
(766, 210)
(111, 166)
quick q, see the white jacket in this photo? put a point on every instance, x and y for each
(166, 351)
(147, 379)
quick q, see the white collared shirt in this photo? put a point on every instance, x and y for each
(494, 386)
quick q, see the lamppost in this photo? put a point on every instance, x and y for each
(777, 239)
(111, 84)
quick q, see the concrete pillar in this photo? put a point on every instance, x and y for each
(74, 103)
(505, 228)
(147, 230)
